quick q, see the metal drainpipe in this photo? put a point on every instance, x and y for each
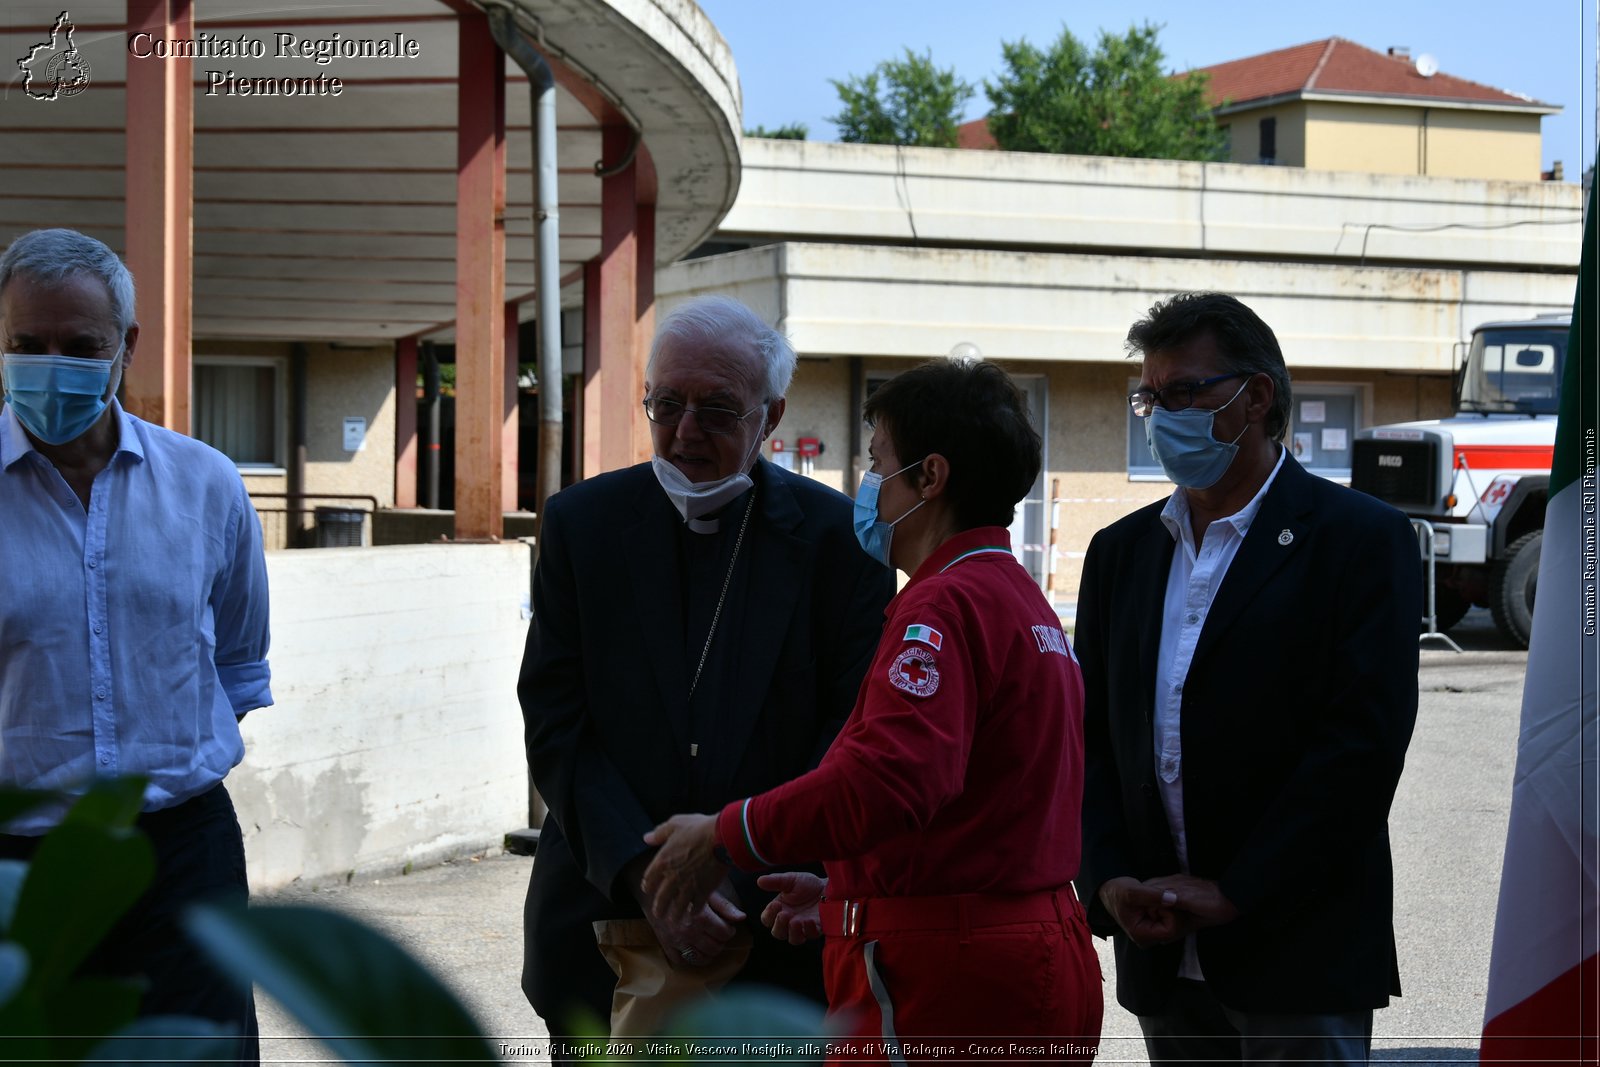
(542, 86)
(297, 443)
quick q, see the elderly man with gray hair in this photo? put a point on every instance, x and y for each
(133, 611)
(701, 624)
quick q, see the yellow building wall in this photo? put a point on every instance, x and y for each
(1439, 142)
(818, 406)
(1086, 459)
(1466, 144)
(1244, 135)
(1086, 445)
(340, 382)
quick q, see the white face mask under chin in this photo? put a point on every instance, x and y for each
(696, 500)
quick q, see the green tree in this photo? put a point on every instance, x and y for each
(907, 101)
(790, 131)
(1115, 101)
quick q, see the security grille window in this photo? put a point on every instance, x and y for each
(1322, 426)
(1269, 140)
(238, 409)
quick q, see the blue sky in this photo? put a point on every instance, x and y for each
(786, 52)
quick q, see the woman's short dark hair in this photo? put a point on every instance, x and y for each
(1245, 344)
(972, 414)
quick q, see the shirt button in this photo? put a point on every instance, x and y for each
(1178, 688)
(97, 629)
(1193, 618)
(99, 694)
(92, 564)
(105, 759)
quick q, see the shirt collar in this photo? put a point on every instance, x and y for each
(1175, 516)
(966, 543)
(14, 442)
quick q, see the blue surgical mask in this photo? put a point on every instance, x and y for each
(873, 533)
(1184, 445)
(57, 398)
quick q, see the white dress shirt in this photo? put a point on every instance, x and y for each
(1192, 585)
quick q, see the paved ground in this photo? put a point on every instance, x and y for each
(464, 919)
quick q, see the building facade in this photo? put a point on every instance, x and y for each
(872, 257)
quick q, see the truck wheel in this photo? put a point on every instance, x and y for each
(1448, 605)
(1512, 584)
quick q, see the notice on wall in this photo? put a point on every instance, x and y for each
(1313, 411)
(355, 433)
(1335, 440)
(1302, 446)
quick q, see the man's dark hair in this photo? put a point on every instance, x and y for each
(972, 414)
(1245, 344)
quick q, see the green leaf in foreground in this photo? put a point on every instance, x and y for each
(82, 880)
(348, 985)
(15, 802)
(113, 803)
(13, 969)
(12, 874)
(166, 1039)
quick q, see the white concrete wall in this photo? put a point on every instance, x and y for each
(396, 737)
(882, 300)
(807, 189)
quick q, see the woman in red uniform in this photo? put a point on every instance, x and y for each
(947, 811)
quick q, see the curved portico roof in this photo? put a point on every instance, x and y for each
(332, 217)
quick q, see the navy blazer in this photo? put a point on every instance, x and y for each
(605, 682)
(1297, 710)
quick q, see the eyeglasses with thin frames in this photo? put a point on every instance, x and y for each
(665, 412)
(1177, 396)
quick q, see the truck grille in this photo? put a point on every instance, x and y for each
(1402, 473)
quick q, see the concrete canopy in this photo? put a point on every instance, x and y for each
(333, 217)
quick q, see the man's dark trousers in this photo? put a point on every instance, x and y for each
(199, 854)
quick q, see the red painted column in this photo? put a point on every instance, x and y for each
(510, 428)
(590, 420)
(158, 221)
(645, 317)
(614, 352)
(405, 423)
(480, 281)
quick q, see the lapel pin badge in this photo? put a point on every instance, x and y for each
(1285, 538)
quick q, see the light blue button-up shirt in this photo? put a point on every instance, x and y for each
(133, 634)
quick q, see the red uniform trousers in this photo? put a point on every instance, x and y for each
(975, 978)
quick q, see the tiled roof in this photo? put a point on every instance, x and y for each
(975, 134)
(1341, 66)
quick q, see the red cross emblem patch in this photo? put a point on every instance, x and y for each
(913, 670)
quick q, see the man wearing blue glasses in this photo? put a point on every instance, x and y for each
(701, 625)
(1249, 657)
(133, 611)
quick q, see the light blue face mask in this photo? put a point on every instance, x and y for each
(57, 398)
(1184, 445)
(873, 533)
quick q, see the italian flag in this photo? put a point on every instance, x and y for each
(1544, 979)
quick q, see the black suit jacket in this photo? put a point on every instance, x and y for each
(1297, 710)
(605, 682)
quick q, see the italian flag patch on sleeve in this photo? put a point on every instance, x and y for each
(926, 634)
